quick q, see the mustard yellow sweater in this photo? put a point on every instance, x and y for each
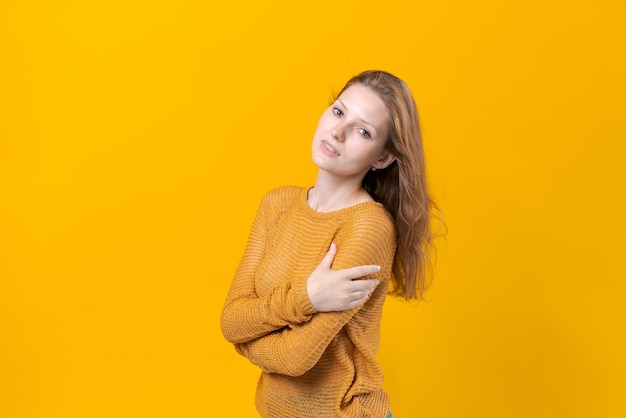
(315, 364)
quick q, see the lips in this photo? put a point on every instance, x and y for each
(329, 149)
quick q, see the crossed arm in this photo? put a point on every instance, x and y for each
(287, 330)
(245, 315)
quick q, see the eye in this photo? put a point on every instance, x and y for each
(364, 133)
(337, 111)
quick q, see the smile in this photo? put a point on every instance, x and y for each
(328, 149)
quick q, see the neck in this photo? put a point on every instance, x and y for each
(331, 193)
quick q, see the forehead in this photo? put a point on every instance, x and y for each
(365, 104)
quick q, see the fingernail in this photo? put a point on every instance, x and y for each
(377, 268)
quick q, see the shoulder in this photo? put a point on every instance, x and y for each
(369, 219)
(280, 198)
(366, 236)
(370, 215)
(283, 194)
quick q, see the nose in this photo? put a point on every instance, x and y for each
(337, 133)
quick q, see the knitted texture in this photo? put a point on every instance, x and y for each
(314, 364)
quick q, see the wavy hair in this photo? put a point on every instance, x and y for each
(402, 187)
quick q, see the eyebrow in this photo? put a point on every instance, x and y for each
(362, 120)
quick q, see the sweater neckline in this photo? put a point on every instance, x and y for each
(303, 202)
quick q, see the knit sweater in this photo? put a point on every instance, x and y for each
(314, 364)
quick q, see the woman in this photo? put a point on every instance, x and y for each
(306, 300)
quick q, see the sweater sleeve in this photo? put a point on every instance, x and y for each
(295, 349)
(245, 315)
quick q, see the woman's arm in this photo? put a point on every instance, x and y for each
(295, 349)
(245, 315)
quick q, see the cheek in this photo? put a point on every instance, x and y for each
(360, 149)
(373, 152)
(324, 122)
(319, 128)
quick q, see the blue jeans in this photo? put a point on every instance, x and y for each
(389, 415)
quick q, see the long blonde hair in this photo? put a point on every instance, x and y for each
(402, 187)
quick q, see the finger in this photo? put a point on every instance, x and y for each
(360, 271)
(354, 304)
(327, 261)
(359, 298)
(364, 285)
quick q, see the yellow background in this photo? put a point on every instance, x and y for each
(136, 139)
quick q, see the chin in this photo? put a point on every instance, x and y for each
(319, 164)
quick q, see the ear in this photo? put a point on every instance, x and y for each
(384, 160)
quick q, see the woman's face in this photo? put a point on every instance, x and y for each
(351, 134)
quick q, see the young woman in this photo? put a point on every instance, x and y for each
(306, 301)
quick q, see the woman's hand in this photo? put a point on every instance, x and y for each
(337, 290)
